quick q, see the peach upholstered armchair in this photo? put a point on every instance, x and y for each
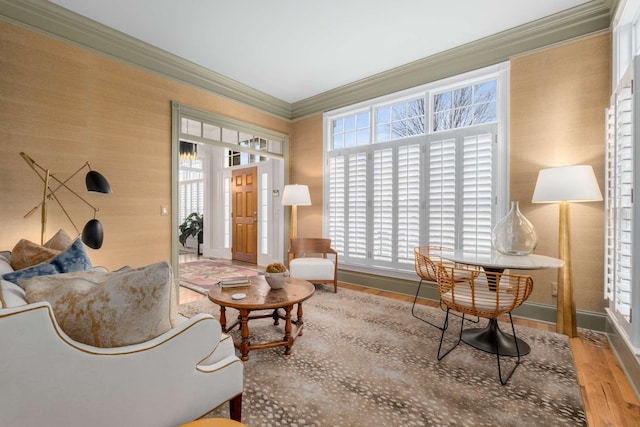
(314, 260)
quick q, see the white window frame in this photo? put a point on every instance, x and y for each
(622, 241)
(191, 191)
(500, 180)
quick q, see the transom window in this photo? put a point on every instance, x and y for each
(465, 106)
(250, 146)
(239, 158)
(392, 183)
(351, 130)
(400, 120)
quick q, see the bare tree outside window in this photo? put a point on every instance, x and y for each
(400, 120)
(467, 106)
(457, 108)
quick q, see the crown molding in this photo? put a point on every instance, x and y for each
(52, 20)
(588, 18)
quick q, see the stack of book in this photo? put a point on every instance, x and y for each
(234, 282)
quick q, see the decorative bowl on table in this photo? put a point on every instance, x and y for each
(276, 275)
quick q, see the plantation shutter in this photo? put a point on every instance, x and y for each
(619, 204)
(408, 203)
(609, 263)
(190, 188)
(477, 193)
(336, 205)
(442, 192)
(383, 240)
(397, 179)
(356, 199)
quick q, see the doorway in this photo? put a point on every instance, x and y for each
(244, 209)
(244, 169)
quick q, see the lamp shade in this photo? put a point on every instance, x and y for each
(567, 184)
(97, 183)
(92, 234)
(297, 195)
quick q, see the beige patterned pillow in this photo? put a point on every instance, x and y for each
(109, 309)
(26, 254)
(60, 241)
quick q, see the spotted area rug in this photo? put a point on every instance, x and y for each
(364, 360)
(200, 275)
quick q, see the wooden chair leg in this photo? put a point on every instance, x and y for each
(235, 408)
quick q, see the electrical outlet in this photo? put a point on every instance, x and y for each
(164, 211)
(554, 289)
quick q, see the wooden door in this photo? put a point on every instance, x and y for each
(244, 211)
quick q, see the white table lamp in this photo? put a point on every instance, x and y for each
(563, 185)
(295, 195)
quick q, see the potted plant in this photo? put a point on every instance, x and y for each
(276, 275)
(191, 227)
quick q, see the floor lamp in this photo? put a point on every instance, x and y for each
(295, 195)
(92, 233)
(564, 185)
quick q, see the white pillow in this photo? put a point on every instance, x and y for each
(109, 309)
(5, 266)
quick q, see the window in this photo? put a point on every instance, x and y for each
(240, 158)
(619, 210)
(622, 261)
(190, 188)
(264, 212)
(226, 211)
(351, 131)
(408, 183)
(465, 106)
(250, 146)
(400, 120)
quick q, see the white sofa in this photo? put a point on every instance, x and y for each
(46, 378)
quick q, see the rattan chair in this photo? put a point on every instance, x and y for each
(488, 295)
(426, 261)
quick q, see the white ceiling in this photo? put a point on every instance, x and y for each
(295, 49)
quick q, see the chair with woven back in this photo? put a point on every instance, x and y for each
(489, 295)
(426, 261)
(314, 260)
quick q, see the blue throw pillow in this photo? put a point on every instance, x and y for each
(41, 269)
(73, 259)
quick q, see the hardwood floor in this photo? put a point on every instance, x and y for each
(608, 397)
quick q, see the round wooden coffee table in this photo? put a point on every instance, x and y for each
(260, 296)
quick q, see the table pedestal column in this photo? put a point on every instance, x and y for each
(493, 340)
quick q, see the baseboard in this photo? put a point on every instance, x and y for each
(629, 362)
(529, 310)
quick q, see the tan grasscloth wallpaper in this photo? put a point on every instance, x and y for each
(557, 101)
(63, 105)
